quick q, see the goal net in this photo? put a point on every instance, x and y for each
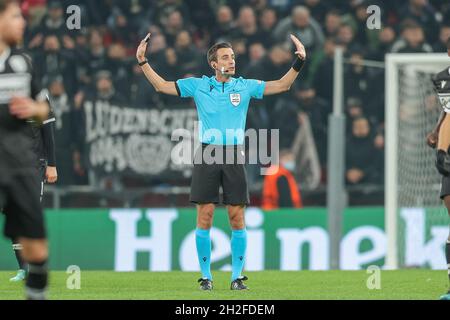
(412, 182)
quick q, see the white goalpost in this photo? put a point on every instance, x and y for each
(411, 180)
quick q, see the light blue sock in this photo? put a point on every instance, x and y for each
(203, 242)
(238, 248)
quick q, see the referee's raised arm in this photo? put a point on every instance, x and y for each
(285, 83)
(160, 85)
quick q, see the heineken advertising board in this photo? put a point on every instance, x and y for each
(164, 239)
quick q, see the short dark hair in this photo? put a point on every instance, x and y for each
(212, 52)
(4, 4)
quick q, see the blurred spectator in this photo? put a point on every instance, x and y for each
(346, 36)
(189, 57)
(333, 22)
(164, 8)
(54, 21)
(34, 10)
(97, 53)
(256, 52)
(54, 59)
(121, 28)
(386, 39)
(356, 75)
(357, 20)
(258, 6)
(318, 8)
(224, 26)
(247, 27)
(173, 25)
(360, 165)
(119, 66)
(134, 11)
(156, 50)
(105, 90)
(413, 39)
(268, 21)
(354, 109)
(322, 73)
(142, 95)
(303, 26)
(302, 100)
(62, 107)
(280, 190)
(423, 13)
(444, 35)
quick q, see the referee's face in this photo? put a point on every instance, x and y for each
(226, 60)
(12, 25)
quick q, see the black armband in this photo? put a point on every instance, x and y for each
(48, 135)
(143, 63)
(298, 64)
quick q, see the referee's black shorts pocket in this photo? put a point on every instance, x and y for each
(205, 184)
(234, 184)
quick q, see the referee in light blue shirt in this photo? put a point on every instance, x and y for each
(222, 103)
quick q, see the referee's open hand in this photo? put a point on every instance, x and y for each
(142, 49)
(299, 47)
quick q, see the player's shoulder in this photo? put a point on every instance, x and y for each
(444, 74)
(19, 61)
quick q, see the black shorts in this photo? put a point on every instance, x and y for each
(21, 196)
(445, 187)
(208, 178)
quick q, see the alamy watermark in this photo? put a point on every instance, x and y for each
(73, 281)
(374, 18)
(374, 280)
(226, 147)
(73, 22)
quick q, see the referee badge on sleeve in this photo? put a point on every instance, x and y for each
(235, 99)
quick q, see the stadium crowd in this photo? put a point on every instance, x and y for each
(99, 62)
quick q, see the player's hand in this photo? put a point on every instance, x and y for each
(432, 139)
(51, 175)
(142, 49)
(299, 47)
(26, 108)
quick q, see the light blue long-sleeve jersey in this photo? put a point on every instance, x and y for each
(222, 106)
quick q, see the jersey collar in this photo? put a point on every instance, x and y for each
(217, 83)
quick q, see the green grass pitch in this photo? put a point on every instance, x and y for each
(267, 285)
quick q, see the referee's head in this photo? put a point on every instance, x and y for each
(222, 59)
(12, 23)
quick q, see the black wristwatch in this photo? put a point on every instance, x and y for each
(143, 63)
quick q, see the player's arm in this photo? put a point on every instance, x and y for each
(433, 136)
(285, 83)
(48, 137)
(443, 142)
(26, 108)
(160, 85)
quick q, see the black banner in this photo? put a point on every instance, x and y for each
(135, 141)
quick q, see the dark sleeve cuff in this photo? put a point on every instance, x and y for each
(178, 89)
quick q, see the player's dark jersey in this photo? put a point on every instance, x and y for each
(43, 139)
(441, 83)
(17, 78)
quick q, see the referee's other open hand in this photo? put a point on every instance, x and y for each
(299, 47)
(142, 49)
